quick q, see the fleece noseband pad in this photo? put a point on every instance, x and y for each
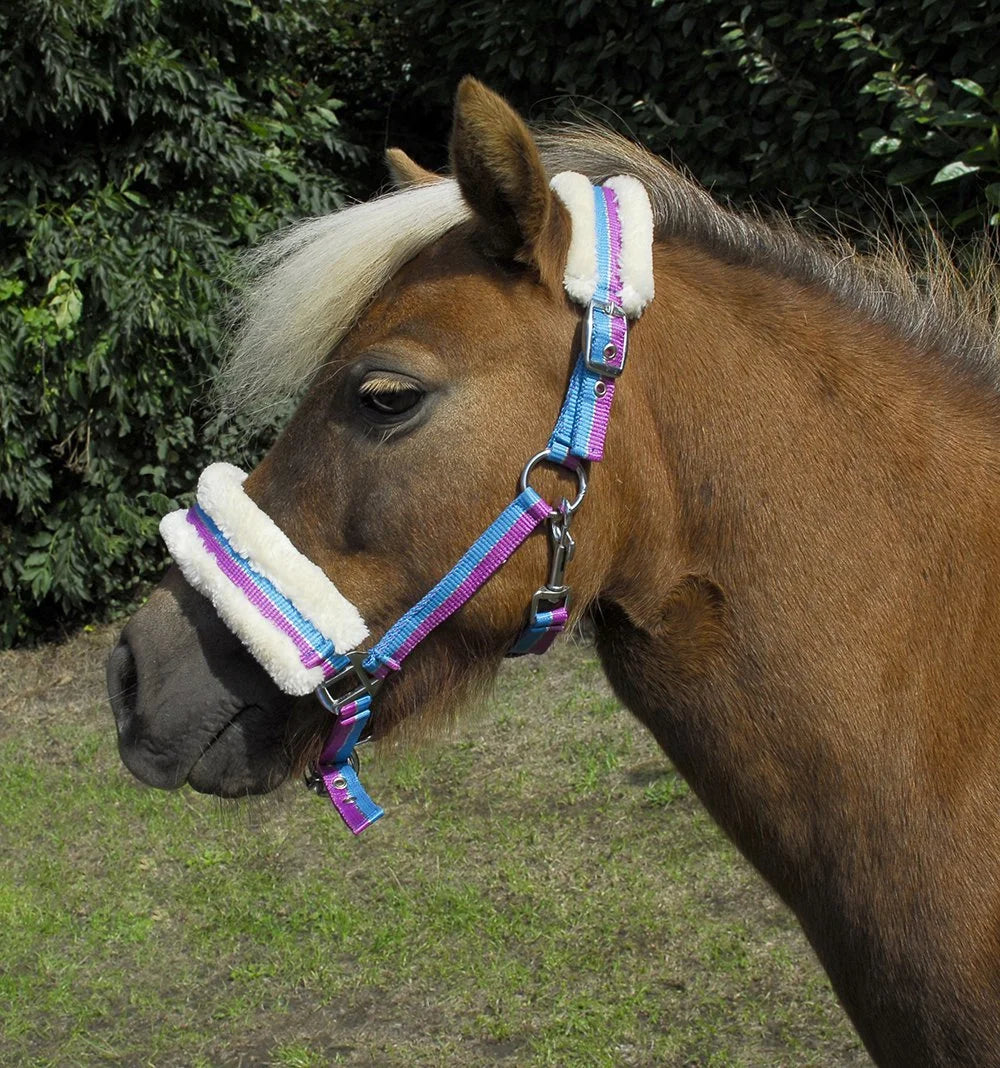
(283, 608)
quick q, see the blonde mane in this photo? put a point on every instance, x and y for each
(304, 290)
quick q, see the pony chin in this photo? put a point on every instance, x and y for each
(440, 685)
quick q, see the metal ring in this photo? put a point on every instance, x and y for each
(581, 476)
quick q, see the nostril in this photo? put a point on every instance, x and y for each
(123, 683)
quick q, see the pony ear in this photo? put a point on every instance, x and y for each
(498, 168)
(405, 172)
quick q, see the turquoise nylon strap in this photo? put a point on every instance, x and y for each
(582, 424)
(487, 554)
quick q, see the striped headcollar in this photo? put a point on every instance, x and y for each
(291, 616)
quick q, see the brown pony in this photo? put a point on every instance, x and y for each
(786, 555)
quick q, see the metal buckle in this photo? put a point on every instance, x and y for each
(552, 596)
(366, 684)
(600, 366)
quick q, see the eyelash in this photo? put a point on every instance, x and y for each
(393, 400)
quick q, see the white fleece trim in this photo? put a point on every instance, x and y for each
(637, 243)
(253, 534)
(269, 646)
(580, 276)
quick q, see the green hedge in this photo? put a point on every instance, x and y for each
(142, 144)
(853, 110)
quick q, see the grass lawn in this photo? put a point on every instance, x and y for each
(543, 890)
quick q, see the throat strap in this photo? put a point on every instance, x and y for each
(583, 419)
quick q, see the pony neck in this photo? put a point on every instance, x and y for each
(799, 617)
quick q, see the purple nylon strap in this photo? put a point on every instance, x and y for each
(488, 553)
(583, 421)
(313, 648)
(350, 798)
(542, 630)
(340, 780)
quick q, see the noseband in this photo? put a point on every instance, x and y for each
(290, 615)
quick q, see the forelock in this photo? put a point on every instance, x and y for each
(300, 292)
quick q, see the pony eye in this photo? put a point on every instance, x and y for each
(388, 398)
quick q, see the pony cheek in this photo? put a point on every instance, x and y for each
(446, 675)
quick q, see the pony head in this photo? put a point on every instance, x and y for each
(437, 329)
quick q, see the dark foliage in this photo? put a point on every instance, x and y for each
(825, 107)
(143, 144)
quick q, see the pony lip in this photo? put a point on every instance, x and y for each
(235, 745)
(218, 766)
